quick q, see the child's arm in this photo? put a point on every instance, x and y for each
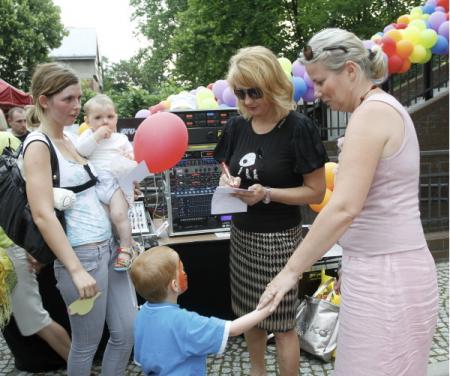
(88, 140)
(248, 321)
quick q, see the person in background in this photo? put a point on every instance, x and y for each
(86, 251)
(28, 311)
(107, 150)
(3, 123)
(389, 303)
(170, 340)
(18, 123)
(276, 153)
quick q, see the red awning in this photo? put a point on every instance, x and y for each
(10, 96)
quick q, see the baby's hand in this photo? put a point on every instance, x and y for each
(102, 133)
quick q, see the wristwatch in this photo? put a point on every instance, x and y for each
(267, 198)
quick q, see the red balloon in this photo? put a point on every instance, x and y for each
(389, 45)
(405, 67)
(395, 63)
(401, 26)
(210, 86)
(161, 141)
(443, 4)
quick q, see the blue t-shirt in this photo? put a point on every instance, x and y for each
(169, 340)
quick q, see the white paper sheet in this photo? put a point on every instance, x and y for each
(139, 173)
(224, 203)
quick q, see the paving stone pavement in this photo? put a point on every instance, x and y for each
(235, 360)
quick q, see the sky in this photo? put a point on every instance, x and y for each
(110, 18)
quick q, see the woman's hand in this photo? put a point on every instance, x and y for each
(232, 181)
(277, 288)
(255, 194)
(85, 283)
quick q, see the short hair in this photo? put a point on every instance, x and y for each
(50, 79)
(152, 272)
(372, 63)
(257, 66)
(13, 110)
(3, 123)
(100, 99)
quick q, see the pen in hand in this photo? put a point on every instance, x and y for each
(231, 180)
(225, 170)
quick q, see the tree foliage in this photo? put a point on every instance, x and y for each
(29, 29)
(192, 40)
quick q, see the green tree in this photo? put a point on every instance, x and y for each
(29, 29)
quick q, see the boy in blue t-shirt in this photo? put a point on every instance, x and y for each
(169, 340)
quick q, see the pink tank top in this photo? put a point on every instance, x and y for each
(390, 219)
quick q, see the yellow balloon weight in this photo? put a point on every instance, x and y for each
(318, 207)
(428, 38)
(330, 170)
(83, 127)
(394, 34)
(286, 65)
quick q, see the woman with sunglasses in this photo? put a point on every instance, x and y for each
(389, 287)
(276, 153)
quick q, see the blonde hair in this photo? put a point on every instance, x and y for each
(153, 271)
(32, 119)
(49, 79)
(101, 99)
(257, 66)
(372, 63)
(3, 123)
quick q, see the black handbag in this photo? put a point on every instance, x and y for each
(15, 215)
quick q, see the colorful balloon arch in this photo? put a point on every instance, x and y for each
(412, 39)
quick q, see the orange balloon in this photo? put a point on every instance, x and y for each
(330, 168)
(404, 48)
(404, 19)
(318, 207)
(405, 67)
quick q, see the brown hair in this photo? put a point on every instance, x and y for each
(50, 79)
(257, 66)
(152, 272)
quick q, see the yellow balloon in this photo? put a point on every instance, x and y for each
(417, 11)
(394, 34)
(418, 54)
(412, 34)
(330, 169)
(318, 207)
(419, 24)
(208, 104)
(83, 127)
(203, 94)
(428, 38)
(286, 65)
(404, 19)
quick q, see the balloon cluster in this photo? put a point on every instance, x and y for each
(330, 172)
(415, 36)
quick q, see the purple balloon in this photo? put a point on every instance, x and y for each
(298, 69)
(443, 29)
(228, 97)
(431, 2)
(436, 19)
(144, 113)
(218, 87)
(388, 27)
(309, 95)
(308, 80)
(368, 44)
(440, 9)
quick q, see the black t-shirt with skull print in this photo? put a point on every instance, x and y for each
(277, 159)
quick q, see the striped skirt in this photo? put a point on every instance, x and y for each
(255, 259)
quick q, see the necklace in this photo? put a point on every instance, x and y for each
(367, 92)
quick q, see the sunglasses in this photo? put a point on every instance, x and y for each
(253, 93)
(308, 52)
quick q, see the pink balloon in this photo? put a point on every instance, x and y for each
(229, 98)
(298, 69)
(161, 141)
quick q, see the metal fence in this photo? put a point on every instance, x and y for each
(419, 84)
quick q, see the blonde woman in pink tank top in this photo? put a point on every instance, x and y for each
(389, 287)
